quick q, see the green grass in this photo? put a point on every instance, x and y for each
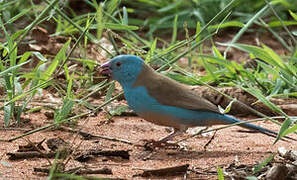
(178, 29)
(275, 76)
(191, 11)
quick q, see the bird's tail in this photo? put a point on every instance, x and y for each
(231, 120)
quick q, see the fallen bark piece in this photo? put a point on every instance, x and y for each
(290, 109)
(288, 154)
(121, 153)
(292, 170)
(277, 172)
(40, 35)
(29, 155)
(113, 153)
(78, 171)
(291, 155)
(168, 171)
(31, 146)
(56, 143)
(42, 170)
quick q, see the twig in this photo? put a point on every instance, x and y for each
(168, 171)
(14, 129)
(209, 141)
(28, 155)
(204, 172)
(87, 135)
(38, 150)
(122, 153)
(104, 170)
(78, 171)
(2, 156)
(78, 145)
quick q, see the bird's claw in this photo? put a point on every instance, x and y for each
(152, 144)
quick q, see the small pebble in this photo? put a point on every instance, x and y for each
(282, 151)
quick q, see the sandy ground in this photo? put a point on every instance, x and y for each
(229, 146)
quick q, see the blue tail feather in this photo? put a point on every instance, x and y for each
(231, 120)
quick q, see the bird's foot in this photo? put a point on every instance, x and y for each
(152, 145)
(209, 141)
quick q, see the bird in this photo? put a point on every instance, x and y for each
(164, 101)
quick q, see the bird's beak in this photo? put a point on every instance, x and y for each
(106, 69)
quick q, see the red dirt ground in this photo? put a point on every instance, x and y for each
(229, 146)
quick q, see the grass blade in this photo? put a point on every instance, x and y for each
(125, 16)
(60, 57)
(259, 167)
(109, 92)
(99, 20)
(7, 114)
(220, 173)
(174, 32)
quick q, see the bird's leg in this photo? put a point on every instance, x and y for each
(209, 141)
(173, 134)
(163, 142)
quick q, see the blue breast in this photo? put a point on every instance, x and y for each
(140, 101)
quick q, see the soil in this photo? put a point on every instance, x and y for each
(228, 147)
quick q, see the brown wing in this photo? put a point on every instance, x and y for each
(171, 93)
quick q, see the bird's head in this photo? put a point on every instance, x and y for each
(123, 68)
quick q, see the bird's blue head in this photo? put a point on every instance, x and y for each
(123, 68)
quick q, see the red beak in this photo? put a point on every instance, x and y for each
(106, 69)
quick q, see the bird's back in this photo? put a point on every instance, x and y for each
(171, 93)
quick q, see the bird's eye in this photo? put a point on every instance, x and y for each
(118, 64)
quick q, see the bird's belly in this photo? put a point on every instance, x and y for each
(151, 110)
(160, 119)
